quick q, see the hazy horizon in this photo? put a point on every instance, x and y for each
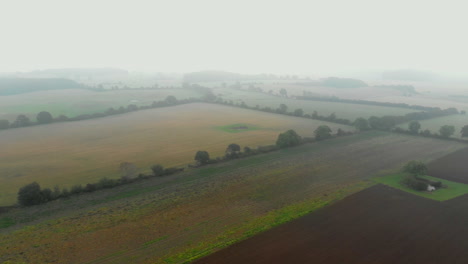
(297, 37)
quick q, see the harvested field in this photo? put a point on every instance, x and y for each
(83, 152)
(377, 225)
(74, 102)
(342, 110)
(453, 167)
(179, 218)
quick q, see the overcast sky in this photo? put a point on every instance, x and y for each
(249, 36)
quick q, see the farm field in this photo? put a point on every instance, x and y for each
(377, 225)
(74, 102)
(451, 167)
(70, 153)
(449, 191)
(434, 124)
(342, 110)
(179, 218)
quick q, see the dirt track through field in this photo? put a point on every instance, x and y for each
(377, 225)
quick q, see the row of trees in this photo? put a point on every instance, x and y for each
(445, 131)
(362, 124)
(45, 117)
(33, 194)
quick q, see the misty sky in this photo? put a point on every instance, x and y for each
(242, 36)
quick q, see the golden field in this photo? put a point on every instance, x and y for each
(83, 152)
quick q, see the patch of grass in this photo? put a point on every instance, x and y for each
(6, 222)
(449, 191)
(237, 128)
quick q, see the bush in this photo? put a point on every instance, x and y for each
(415, 167)
(30, 194)
(288, 139)
(170, 171)
(75, 189)
(157, 169)
(415, 184)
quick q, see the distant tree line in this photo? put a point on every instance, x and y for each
(373, 122)
(445, 131)
(45, 117)
(308, 97)
(33, 194)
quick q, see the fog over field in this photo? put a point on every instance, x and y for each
(222, 131)
(260, 36)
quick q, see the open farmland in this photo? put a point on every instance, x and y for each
(434, 124)
(178, 218)
(74, 102)
(83, 152)
(453, 167)
(342, 110)
(377, 225)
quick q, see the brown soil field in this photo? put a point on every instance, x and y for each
(178, 218)
(453, 167)
(377, 225)
(83, 152)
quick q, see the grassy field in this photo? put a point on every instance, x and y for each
(182, 217)
(434, 124)
(449, 191)
(75, 102)
(83, 152)
(342, 110)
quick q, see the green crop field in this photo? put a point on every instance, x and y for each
(76, 102)
(342, 110)
(449, 191)
(179, 218)
(83, 152)
(434, 124)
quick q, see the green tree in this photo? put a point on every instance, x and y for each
(44, 117)
(4, 124)
(322, 132)
(361, 124)
(202, 157)
(299, 112)
(171, 100)
(128, 169)
(375, 122)
(315, 115)
(232, 151)
(30, 194)
(415, 167)
(464, 131)
(288, 139)
(414, 127)
(446, 131)
(283, 92)
(282, 109)
(21, 121)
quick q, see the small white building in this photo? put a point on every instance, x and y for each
(430, 188)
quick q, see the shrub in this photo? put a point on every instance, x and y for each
(75, 189)
(157, 169)
(30, 194)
